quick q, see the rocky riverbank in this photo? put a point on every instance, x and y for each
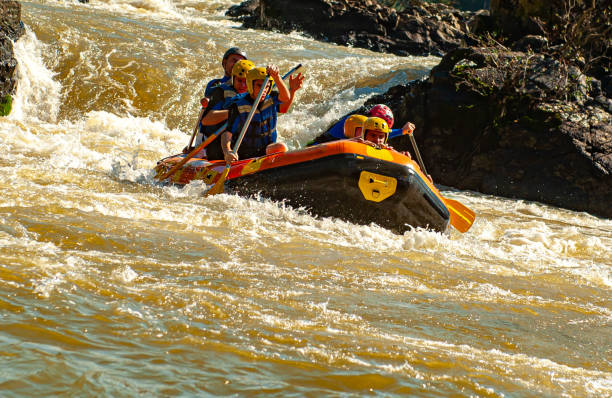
(519, 106)
(423, 29)
(11, 29)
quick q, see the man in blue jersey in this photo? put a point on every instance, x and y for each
(231, 56)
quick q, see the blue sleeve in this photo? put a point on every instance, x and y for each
(222, 105)
(395, 133)
(210, 87)
(337, 130)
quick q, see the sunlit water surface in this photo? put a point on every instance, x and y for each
(111, 285)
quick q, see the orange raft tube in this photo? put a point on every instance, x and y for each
(345, 179)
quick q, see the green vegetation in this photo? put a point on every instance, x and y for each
(6, 104)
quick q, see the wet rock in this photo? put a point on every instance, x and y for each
(11, 28)
(8, 63)
(419, 30)
(10, 19)
(531, 43)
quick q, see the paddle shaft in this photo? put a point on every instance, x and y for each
(250, 116)
(461, 217)
(418, 154)
(195, 129)
(296, 68)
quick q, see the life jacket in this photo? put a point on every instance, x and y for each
(218, 98)
(261, 130)
(215, 83)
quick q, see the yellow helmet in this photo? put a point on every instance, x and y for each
(255, 74)
(376, 124)
(241, 68)
(352, 123)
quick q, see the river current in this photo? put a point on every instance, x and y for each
(112, 285)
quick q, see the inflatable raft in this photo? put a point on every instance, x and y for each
(344, 179)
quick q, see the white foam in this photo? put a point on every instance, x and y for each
(38, 95)
(125, 274)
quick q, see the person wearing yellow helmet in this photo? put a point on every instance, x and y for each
(353, 126)
(262, 128)
(220, 94)
(216, 112)
(224, 91)
(336, 131)
(376, 131)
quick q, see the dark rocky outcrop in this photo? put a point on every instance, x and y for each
(10, 19)
(418, 30)
(11, 28)
(511, 124)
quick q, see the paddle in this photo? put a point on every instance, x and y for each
(461, 217)
(193, 153)
(218, 187)
(204, 103)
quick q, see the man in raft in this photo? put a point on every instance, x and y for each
(231, 56)
(376, 132)
(262, 130)
(353, 126)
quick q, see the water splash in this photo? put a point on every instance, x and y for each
(38, 95)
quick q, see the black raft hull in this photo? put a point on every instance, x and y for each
(350, 186)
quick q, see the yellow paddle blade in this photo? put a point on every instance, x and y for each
(461, 216)
(220, 184)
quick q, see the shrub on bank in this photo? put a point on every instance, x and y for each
(6, 104)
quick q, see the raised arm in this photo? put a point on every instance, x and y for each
(283, 91)
(295, 83)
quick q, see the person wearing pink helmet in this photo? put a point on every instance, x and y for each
(336, 132)
(382, 111)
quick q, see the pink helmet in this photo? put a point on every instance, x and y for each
(383, 112)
